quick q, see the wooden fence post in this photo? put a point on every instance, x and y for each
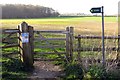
(79, 47)
(25, 43)
(71, 42)
(67, 44)
(31, 39)
(118, 53)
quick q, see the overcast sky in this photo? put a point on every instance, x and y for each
(71, 6)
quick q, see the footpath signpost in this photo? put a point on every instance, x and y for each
(101, 10)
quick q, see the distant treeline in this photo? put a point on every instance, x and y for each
(27, 11)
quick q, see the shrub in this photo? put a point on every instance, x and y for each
(99, 73)
(96, 72)
(74, 71)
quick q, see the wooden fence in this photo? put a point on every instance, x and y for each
(8, 41)
(13, 38)
(26, 49)
(80, 49)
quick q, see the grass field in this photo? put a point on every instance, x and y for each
(82, 25)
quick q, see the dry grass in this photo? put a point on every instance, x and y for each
(82, 25)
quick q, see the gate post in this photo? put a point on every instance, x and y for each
(79, 49)
(26, 44)
(71, 42)
(31, 39)
(67, 44)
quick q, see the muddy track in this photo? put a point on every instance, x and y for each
(45, 70)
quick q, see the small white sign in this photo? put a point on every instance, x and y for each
(25, 37)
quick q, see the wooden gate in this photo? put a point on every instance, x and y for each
(41, 45)
(9, 43)
(57, 44)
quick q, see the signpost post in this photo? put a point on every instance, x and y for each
(101, 10)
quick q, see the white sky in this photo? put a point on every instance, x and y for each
(71, 6)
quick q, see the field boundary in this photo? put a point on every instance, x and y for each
(26, 49)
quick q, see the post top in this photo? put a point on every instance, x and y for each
(24, 26)
(24, 23)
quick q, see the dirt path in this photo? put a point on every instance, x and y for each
(45, 69)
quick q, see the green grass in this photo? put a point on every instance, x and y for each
(113, 19)
(12, 69)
